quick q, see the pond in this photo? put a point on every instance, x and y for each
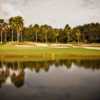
(50, 80)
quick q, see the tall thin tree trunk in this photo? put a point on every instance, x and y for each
(68, 37)
(36, 36)
(12, 37)
(1, 37)
(78, 40)
(56, 40)
(5, 37)
(21, 37)
(83, 38)
(46, 38)
(18, 34)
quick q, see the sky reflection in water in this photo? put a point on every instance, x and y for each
(50, 80)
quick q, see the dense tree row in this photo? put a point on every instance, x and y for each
(15, 30)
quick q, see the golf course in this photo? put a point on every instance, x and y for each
(47, 52)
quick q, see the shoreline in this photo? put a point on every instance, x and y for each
(34, 58)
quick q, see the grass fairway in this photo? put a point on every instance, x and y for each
(48, 53)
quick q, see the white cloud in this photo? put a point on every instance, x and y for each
(10, 10)
(54, 12)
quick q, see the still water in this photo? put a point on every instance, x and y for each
(50, 80)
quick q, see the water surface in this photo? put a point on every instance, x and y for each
(50, 80)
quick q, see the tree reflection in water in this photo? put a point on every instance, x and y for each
(15, 70)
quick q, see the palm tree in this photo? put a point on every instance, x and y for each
(56, 31)
(1, 29)
(78, 35)
(16, 23)
(19, 26)
(45, 30)
(12, 27)
(46, 33)
(67, 30)
(5, 30)
(36, 30)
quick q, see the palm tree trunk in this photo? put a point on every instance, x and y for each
(36, 36)
(18, 36)
(78, 40)
(1, 37)
(21, 37)
(83, 38)
(12, 37)
(56, 40)
(46, 38)
(68, 37)
(5, 37)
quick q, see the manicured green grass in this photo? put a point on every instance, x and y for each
(46, 52)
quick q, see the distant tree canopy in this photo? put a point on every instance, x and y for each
(15, 30)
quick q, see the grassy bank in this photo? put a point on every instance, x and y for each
(40, 53)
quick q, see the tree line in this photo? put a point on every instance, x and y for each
(15, 30)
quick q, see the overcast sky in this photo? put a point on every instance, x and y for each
(53, 12)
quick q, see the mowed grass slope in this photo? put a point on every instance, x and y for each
(47, 52)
